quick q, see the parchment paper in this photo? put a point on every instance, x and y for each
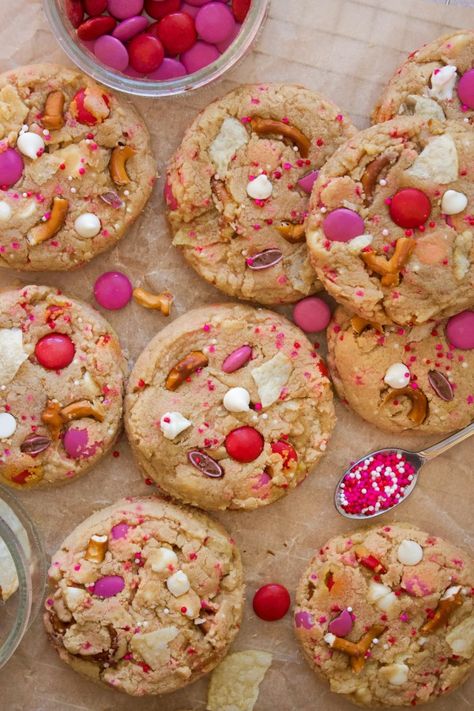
(347, 50)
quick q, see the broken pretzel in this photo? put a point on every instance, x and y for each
(118, 159)
(47, 229)
(96, 548)
(291, 232)
(162, 301)
(372, 172)
(390, 269)
(55, 417)
(266, 127)
(53, 117)
(419, 403)
(356, 650)
(186, 367)
(443, 612)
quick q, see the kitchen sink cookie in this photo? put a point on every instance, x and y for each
(437, 81)
(146, 596)
(61, 387)
(237, 189)
(386, 615)
(75, 168)
(390, 230)
(412, 378)
(229, 407)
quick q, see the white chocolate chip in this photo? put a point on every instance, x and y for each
(7, 425)
(442, 82)
(30, 144)
(178, 583)
(173, 423)
(453, 202)
(237, 400)
(397, 376)
(12, 353)
(162, 559)
(357, 244)
(426, 108)
(231, 137)
(409, 552)
(87, 225)
(461, 638)
(5, 211)
(191, 604)
(260, 189)
(271, 377)
(74, 597)
(438, 162)
(395, 674)
(330, 638)
(153, 646)
(381, 596)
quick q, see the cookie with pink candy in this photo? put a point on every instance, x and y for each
(145, 596)
(401, 378)
(76, 168)
(386, 616)
(229, 407)
(61, 385)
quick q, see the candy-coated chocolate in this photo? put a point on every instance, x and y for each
(95, 7)
(410, 208)
(264, 260)
(206, 464)
(146, 53)
(75, 12)
(113, 290)
(312, 314)
(111, 52)
(190, 9)
(129, 28)
(75, 442)
(198, 3)
(466, 89)
(199, 56)
(108, 586)
(215, 22)
(55, 351)
(244, 444)
(80, 111)
(460, 330)
(177, 33)
(120, 530)
(11, 168)
(240, 9)
(271, 602)
(342, 225)
(342, 625)
(169, 69)
(96, 27)
(160, 8)
(286, 451)
(222, 46)
(123, 9)
(237, 359)
(307, 181)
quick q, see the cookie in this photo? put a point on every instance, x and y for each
(390, 227)
(386, 615)
(229, 407)
(399, 379)
(75, 168)
(437, 81)
(237, 189)
(146, 596)
(61, 387)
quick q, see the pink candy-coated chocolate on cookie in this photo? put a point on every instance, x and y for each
(460, 330)
(312, 314)
(342, 225)
(11, 168)
(466, 89)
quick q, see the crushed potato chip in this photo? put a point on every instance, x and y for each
(231, 137)
(271, 377)
(234, 685)
(12, 353)
(438, 162)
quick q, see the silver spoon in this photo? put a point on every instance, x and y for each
(416, 459)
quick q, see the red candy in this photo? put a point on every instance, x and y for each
(95, 27)
(244, 444)
(240, 9)
(410, 208)
(95, 7)
(55, 351)
(271, 602)
(177, 33)
(286, 452)
(146, 53)
(75, 12)
(160, 8)
(79, 110)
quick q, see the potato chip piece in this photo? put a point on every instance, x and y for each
(12, 353)
(271, 377)
(234, 685)
(153, 646)
(231, 137)
(438, 162)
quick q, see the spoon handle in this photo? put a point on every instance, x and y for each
(445, 444)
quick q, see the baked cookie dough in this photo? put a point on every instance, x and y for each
(61, 387)
(146, 596)
(390, 230)
(437, 81)
(400, 379)
(76, 168)
(229, 407)
(386, 615)
(237, 189)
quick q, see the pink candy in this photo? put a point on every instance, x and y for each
(109, 586)
(342, 625)
(376, 483)
(237, 359)
(460, 330)
(11, 168)
(120, 530)
(215, 22)
(466, 89)
(113, 290)
(75, 442)
(342, 225)
(312, 314)
(199, 56)
(307, 181)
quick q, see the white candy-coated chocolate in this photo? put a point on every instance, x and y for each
(453, 202)
(162, 559)
(5, 211)
(409, 552)
(178, 583)
(7, 425)
(173, 423)
(395, 674)
(260, 188)
(397, 376)
(87, 225)
(237, 400)
(442, 82)
(30, 144)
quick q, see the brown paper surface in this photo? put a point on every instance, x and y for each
(347, 50)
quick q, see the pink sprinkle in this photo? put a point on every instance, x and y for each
(206, 327)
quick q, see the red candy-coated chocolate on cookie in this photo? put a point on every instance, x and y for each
(410, 208)
(55, 351)
(271, 602)
(244, 444)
